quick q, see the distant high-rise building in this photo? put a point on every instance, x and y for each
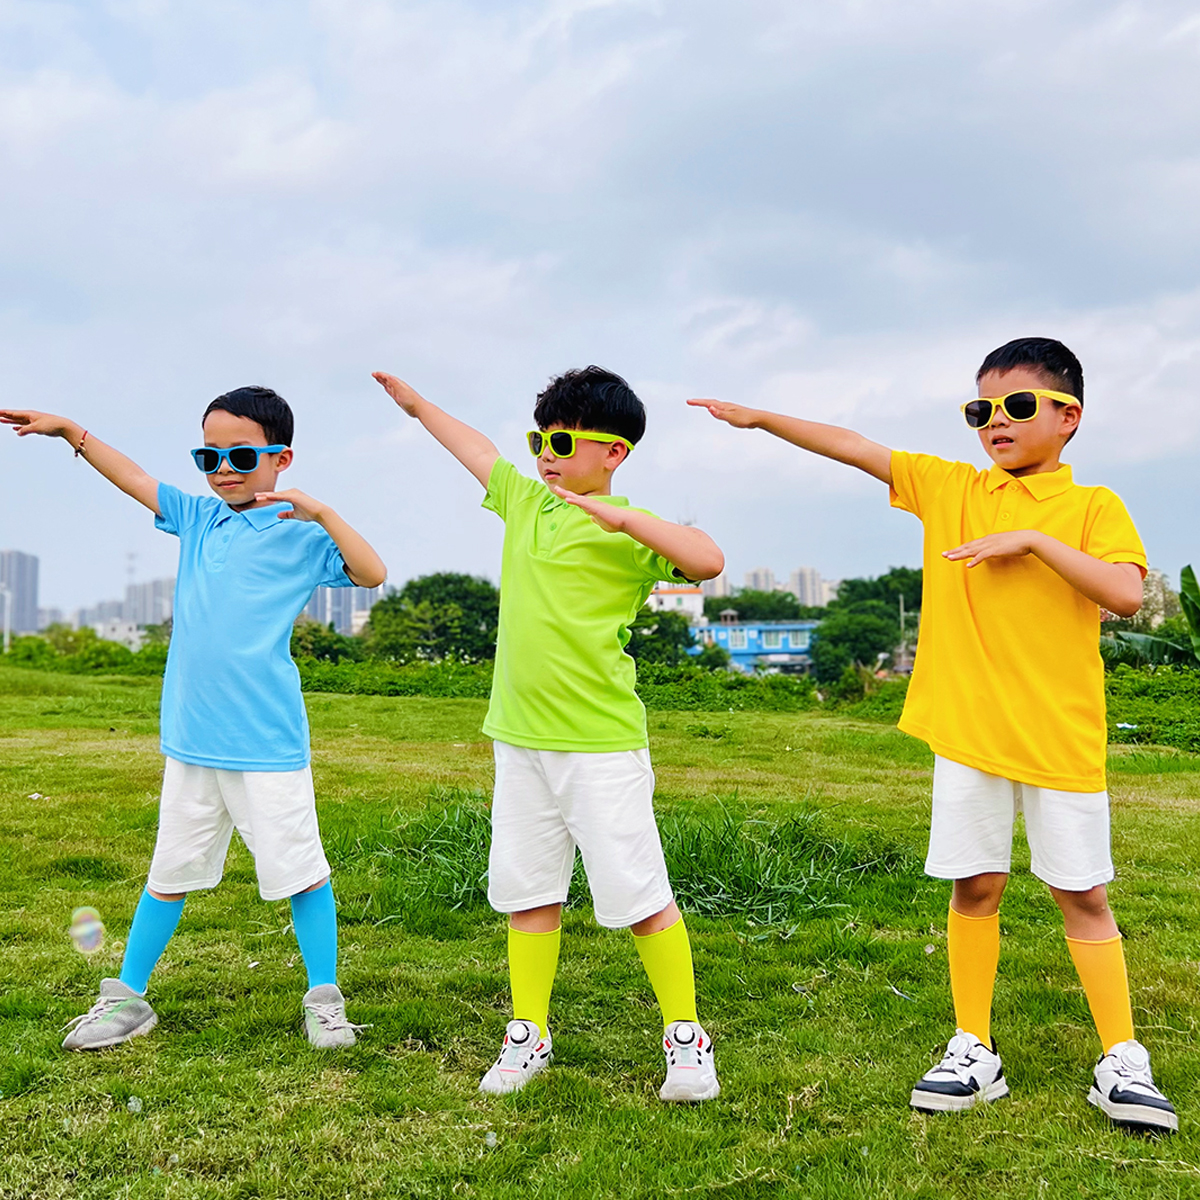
(761, 579)
(48, 617)
(99, 614)
(717, 587)
(346, 609)
(19, 575)
(829, 588)
(149, 603)
(808, 587)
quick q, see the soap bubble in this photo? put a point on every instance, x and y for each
(134, 1104)
(490, 1140)
(87, 930)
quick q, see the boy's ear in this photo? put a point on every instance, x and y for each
(285, 459)
(618, 452)
(1070, 416)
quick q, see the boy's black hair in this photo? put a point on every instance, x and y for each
(1046, 356)
(260, 404)
(591, 398)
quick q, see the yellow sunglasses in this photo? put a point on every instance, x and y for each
(562, 441)
(1016, 406)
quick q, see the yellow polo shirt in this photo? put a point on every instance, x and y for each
(1008, 675)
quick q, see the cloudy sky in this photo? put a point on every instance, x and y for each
(832, 207)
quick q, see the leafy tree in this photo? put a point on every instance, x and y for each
(660, 637)
(311, 639)
(1176, 640)
(887, 588)
(65, 640)
(753, 605)
(847, 637)
(445, 615)
(159, 635)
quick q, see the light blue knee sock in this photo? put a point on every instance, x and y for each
(314, 918)
(153, 924)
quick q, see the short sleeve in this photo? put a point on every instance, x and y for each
(653, 566)
(507, 486)
(326, 564)
(179, 511)
(1110, 534)
(917, 477)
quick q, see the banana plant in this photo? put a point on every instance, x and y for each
(1148, 648)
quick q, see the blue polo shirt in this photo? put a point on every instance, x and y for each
(231, 694)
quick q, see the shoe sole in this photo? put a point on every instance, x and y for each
(680, 1098)
(938, 1102)
(521, 1082)
(1135, 1116)
(145, 1027)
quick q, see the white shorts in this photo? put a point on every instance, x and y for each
(971, 830)
(274, 811)
(547, 802)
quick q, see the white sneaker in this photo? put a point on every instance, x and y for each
(1123, 1088)
(325, 1018)
(970, 1073)
(691, 1071)
(525, 1052)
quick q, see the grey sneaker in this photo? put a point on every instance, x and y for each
(118, 1015)
(691, 1072)
(525, 1052)
(325, 1018)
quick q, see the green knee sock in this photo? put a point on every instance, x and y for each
(532, 961)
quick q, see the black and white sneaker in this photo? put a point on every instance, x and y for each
(970, 1073)
(1123, 1089)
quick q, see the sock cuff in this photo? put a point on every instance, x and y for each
(1112, 941)
(530, 933)
(645, 937)
(147, 894)
(963, 916)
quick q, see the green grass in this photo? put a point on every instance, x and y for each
(795, 841)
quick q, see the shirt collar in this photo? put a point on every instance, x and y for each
(1041, 487)
(259, 518)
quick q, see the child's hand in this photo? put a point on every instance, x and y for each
(399, 391)
(26, 421)
(304, 508)
(1012, 544)
(732, 414)
(607, 516)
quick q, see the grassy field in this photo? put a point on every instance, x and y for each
(821, 963)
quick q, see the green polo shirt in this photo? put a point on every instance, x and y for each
(568, 594)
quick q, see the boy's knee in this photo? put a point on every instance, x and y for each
(1092, 903)
(978, 895)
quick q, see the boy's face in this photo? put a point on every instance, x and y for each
(223, 430)
(1025, 447)
(588, 472)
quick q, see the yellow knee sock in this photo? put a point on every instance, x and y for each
(667, 957)
(532, 961)
(974, 949)
(1101, 968)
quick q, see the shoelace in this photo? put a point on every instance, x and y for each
(333, 1017)
(99, 1009)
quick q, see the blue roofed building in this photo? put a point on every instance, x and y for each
(782, 646)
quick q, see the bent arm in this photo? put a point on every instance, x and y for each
(1115, 586)
(112, 464)
(469, 446)
(831, 441)
(686, 548)
(363, 565)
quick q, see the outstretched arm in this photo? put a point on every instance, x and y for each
(363, 565)
(1115, 586)
(112, 464)
(468, 445)
(843, 445)
(691, 550)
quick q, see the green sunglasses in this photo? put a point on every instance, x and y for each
(562, 441)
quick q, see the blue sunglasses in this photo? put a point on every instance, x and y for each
(241, 459)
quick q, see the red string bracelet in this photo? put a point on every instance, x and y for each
(82, 442)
